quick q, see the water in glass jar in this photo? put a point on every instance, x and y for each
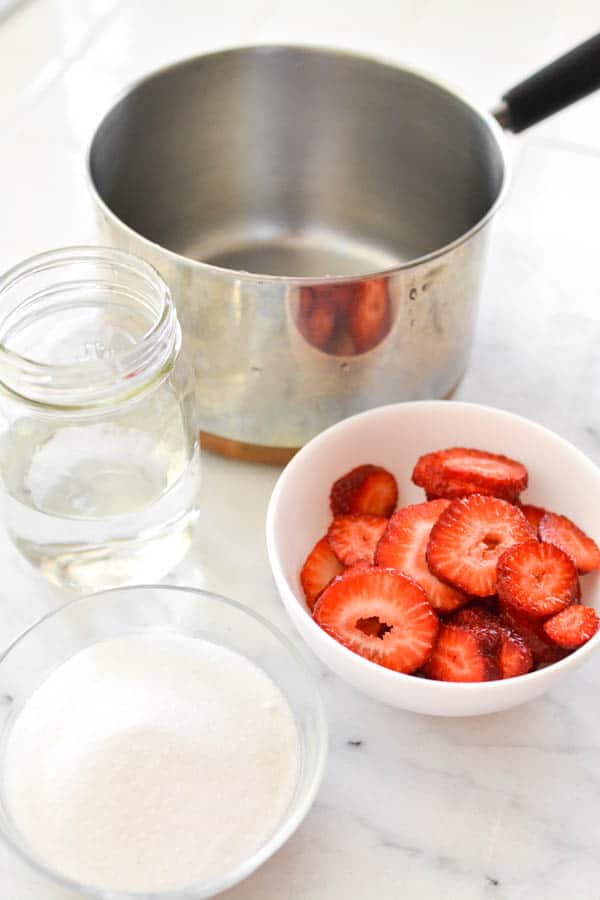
(105, 502)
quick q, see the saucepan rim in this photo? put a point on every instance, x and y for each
(485, 117)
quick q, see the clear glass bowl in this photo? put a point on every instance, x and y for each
(134, 610)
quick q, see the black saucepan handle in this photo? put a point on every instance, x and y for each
(559, 84)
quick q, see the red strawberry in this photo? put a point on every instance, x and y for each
(320, 567)
(370, 316)
(354, 538)
(516, 657)
(378, 492)
(372, 627)
(462, 654)
(469, 537)
(361, 564)
(534, 515)
(460, 471)
(572, 627)
(480, 612)
(563, 533)
(407, 624)
(531, 631)
(536, 579)
(489, 469)
(367, 489)
(475, 615)
(403, 547)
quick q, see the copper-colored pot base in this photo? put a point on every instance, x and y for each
(254, 453)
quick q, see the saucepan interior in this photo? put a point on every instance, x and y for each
(298, 162)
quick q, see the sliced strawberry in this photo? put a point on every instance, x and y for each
(475, 616)
(563, 533)
(572, 627)
(460, 471)
(534, 515)
(488, 469)
(378, 492)
(367, 489)
(370, 315)
(343, 491)
(462, 654)
(531, 631)
(403, 547)
(320, 567)
(469, 537)
(354, 538)
(536, 579)
(361, 564)
(372, 627)
(407, 627)
(516, 657)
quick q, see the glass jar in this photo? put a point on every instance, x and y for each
(99, 452)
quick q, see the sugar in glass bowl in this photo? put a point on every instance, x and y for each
(159, 611)
(561, 479)
(99, 452)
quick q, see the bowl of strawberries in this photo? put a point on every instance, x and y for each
(439, 556)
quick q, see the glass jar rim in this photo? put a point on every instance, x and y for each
(60, 385)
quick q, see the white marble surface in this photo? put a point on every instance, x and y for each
(504, 806)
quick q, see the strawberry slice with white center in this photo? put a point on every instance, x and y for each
(354, 538)
(572, 627)
(469, 537)
(462, 654)
(380, 614)
(563, 533)
(367, 489)
(320, 567)
(403, 547)
(537, 579)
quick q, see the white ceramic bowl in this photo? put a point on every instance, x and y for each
(561, 479)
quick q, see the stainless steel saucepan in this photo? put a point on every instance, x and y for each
(322, 220)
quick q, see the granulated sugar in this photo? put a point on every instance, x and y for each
(150, 762)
